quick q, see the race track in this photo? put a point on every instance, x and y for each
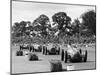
(21, 64)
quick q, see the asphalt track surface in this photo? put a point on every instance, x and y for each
(21, 64)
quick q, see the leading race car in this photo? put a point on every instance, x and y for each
(73, 54)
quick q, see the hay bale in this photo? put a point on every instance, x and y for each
(19, 53)
(56, 66)
(33, 57)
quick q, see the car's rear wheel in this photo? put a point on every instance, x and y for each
(85, 56)
(46, 51)
(62, 55)
(58, 51)
(66, 56)
(80, 51)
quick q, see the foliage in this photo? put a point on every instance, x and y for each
(62, 30)
(89, 20)
(76, 26)
(42, 25)
(62, 20)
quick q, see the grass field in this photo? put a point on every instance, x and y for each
(21, 64)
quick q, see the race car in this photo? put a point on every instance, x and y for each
(73, 54)
(51, 49)
(24, 47)
(37, 48)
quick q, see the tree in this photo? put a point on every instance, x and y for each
(89, 20)
(16, 30)
(21, 29)
(76, 26)
(23, 26)
(62, 20)
(42, 25)
(15, 27)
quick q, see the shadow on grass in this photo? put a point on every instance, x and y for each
(60, 71)
(15, 74)
(36, 60)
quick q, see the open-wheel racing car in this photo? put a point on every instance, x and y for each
(51, 49)
(73, 54)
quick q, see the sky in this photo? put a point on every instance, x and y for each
(29, 11)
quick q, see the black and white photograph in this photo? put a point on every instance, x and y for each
(52, 37)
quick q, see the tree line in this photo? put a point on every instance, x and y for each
(41, 29)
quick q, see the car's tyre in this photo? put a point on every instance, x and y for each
(62, 55)
(66, 56)
(30, 48)
(59, 52)
(46, 51)
(43, 50)
(21, 48)
(39, 49)
(33, 49)
(17, 53)
(85, 56)
(80, 51)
